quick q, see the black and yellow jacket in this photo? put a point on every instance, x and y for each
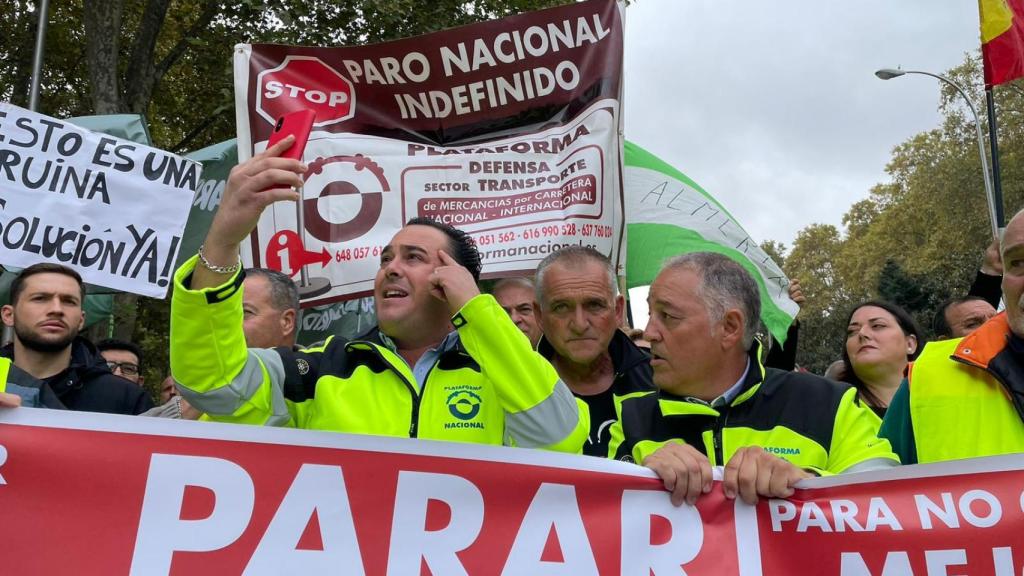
(491, 388)
(812, 422)
(632, 368)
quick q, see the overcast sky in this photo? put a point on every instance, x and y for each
(773, 107)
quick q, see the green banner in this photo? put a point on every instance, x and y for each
(345, 320)
(217, 160)
(668, 214)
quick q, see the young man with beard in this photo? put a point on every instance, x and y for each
(445, 362)
(46, 313)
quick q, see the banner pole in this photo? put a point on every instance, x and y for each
(997, 181)
(37, 57)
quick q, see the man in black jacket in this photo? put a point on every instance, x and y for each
(580, 311)
(46, 314)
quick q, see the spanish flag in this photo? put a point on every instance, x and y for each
(1002, 40)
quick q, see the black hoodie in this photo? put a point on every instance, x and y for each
(87, 385)
(632, 374)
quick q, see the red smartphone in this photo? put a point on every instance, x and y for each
(298, 124)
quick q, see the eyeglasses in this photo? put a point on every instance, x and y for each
(127, 368)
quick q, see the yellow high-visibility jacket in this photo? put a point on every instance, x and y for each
(490, 388)
(963, 399)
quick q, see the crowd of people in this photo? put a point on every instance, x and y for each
(548, 362)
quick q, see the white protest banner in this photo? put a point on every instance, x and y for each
(111, 209)
(509, 130)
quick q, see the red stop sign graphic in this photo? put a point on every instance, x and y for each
(305, 82)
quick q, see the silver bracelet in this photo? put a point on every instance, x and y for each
(218, 269)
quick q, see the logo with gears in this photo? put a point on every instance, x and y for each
(353, 188)
(302, 365)
(464, 405)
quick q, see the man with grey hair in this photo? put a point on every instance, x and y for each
(717, 405)
(515, 296)
(270, 306)
(580, 312)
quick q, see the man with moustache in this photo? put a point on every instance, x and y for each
(964, 398)
(445, 362)
(580, 311)
(46, 314)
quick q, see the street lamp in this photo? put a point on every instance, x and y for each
(890, 73)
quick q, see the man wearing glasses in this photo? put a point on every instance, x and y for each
(123, 358)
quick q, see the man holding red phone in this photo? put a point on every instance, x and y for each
(445, 363)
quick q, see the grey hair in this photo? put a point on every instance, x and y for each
(574, 256)
(517, 281)
(724, 285)
(284, 294)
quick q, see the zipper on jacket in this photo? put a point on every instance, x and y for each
(423, 391)
(717, 436)
(415, 416)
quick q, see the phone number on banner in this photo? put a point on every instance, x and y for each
(358, 253)
(552, 231)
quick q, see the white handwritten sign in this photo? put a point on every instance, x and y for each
(111, 209)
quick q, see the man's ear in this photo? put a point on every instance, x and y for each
(620, 309)
(732, 328)
(288, 322)
(81, 321)
(7, 314)
(537, 313)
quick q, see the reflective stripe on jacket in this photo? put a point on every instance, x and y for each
(491, 388)
(5, 366)
(812, 422)
(961, 396)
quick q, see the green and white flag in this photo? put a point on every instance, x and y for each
(668, 214)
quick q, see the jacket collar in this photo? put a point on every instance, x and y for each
(979, 347)
(449, 343)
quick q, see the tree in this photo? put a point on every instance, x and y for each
(917, 238)
(775, 250)
(171, 62)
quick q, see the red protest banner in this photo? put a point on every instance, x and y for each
(961, 517)
(97, 494)
(510, 130)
